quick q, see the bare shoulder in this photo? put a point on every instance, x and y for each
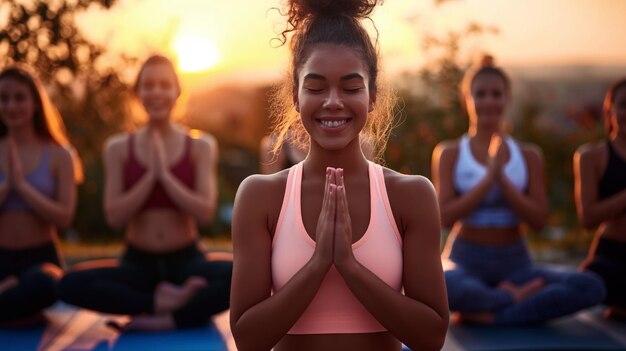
(263, 187)
(445, 153)
(405, 182)
(532, 152)
(591, 150)
(116, 142)
(446, 147)
(203, 144)
(202, 139)
(408, 190)
(60, 153)
(262, 195)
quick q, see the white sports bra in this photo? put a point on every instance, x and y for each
(494, 210)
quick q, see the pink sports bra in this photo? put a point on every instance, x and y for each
(334, 309)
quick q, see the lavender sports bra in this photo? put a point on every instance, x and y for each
(41, 179)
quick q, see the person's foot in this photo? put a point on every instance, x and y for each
(482, 318)
(7, 283)
(144, 323)
(169, 297)
(524, 291)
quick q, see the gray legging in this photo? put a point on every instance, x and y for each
(472, 284)
(129, 287)
(36, 288)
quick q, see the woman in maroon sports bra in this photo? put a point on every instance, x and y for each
(38, 176)
(160, 182)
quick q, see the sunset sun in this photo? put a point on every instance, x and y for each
(195, 53)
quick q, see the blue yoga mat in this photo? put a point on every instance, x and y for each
(21, 338)
(206, 339)
(565, 334)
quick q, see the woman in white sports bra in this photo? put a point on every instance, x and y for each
(489, 186)
(333, 253)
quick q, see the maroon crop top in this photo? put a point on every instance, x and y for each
(158, 198)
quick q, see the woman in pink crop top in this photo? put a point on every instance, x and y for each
(160, 182)
(334, 253)
(38, 176)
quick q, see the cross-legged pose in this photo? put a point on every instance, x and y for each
(489, 185)
(160, 182)
(600, 174)
(38, 176)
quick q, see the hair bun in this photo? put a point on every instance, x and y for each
(351, 8)
(486, 60)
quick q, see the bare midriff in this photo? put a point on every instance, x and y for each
(336, 342)
(24, 230)
(161, 230)
(492, 236)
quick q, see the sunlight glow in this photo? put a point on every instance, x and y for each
(195, 53)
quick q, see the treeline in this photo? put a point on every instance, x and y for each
(86, 85)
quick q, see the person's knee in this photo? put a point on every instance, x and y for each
(41, 284)
(591, 285)
(455, 291)
(68, 288)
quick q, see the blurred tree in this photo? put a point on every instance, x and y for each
(431, 109)
(82, 80)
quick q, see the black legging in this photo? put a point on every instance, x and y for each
(36, 288)
(129, 287)
(609, 261)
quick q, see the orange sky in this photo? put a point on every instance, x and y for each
(233, 36)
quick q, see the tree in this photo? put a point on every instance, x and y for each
(89, 93)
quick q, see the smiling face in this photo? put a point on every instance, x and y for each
(17, 103)
(157, 89)
(332, 96)
(487, 100)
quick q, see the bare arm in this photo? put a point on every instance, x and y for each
(591, 210)
(532, 205)
(259, 319)
(201, 201)
(121, 205)
(454, 206)
(58, 210)
(420, 318)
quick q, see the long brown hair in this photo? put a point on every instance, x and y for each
(47, 120)
(313, 22)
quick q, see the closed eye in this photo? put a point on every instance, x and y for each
(314, 90)
(353, 90)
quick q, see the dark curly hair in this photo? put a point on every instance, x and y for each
(313, 22)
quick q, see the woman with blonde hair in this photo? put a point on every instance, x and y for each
(489, 186)
(160, 182)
